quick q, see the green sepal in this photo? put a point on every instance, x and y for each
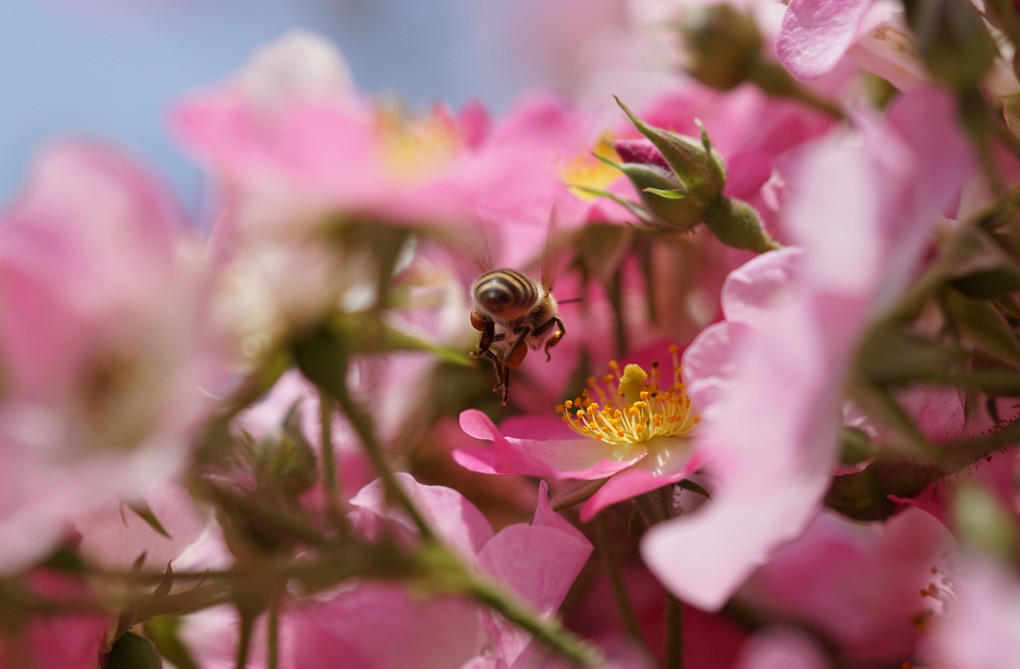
(979, 322)
(903, 436)
(977, 266)
(856, 446)
(143, 511)
(890, 355)
(635, 209)
(667, 194)
(696, 164)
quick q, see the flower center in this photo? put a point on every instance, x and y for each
(413, 148)
(632, 406)
(587, 171)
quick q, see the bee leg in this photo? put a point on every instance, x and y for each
(502, 376)
(488, 328)
(514, 355)
(561, 330)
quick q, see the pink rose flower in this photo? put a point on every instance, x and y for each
(768, 380)
(631, 427)
(859, 585)
(101, 341)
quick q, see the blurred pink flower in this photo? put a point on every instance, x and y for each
(781, 648)
(862, 215)
(291, 143)
(981, 626)
(114, 536)
(356, 623)
(859, 585)
(537, 562)
(101, 342)
(54, 640)
(632, 427)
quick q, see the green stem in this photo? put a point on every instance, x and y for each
(244, 639)
(362, 424)
(328, 460)
(960, 454)
(612, 567)
(273, 632)
(674, 633)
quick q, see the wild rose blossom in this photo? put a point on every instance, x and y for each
(630, 427)
(793, 317)
(537, 562)
(862, 586)
(306, 138)
(342, 228)
(101, 342)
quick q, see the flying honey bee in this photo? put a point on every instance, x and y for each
(519, 313)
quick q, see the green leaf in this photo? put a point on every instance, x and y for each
(977, 266)
(981, 522)
(984, 326)
(132, 651)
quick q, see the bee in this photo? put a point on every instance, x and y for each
(517, 312)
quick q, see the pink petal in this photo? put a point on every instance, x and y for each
(539, 562)
(758, 286)
(816, 33)
(459, 522)
(381, 626)
(982, 628)
(573, 457)
(664, 465)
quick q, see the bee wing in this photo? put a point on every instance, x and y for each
(556, 243)
(468, 250)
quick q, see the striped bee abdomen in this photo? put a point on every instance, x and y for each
(505, 293)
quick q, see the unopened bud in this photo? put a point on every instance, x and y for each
(679, 177)
(660, 190)
(954, 43)
(723, 45)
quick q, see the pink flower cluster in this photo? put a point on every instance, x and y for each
(779, 430)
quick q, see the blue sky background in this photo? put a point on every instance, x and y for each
(110, 68)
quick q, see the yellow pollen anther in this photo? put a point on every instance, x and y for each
(634, 406)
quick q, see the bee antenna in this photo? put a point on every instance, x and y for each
(570, 300)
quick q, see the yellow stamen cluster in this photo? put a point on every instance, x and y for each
(632, 406)
(412, 148)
